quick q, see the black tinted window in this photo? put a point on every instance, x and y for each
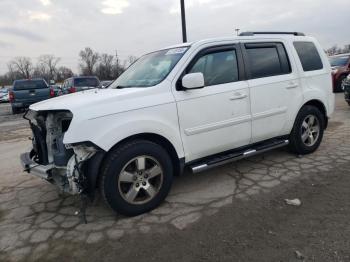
(82, 82)
(29, 84)
(308, 55)
(217, 68)
(267, 60)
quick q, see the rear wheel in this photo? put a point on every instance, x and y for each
(307, 132)
(136, 177)
(338, 85)
(15, 110)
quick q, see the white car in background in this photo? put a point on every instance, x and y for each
(4, 95)
(196, 106)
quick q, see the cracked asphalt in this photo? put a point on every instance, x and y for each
(37, 223)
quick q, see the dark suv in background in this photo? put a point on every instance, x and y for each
(80, 83)
(340, 69)
(28, 91)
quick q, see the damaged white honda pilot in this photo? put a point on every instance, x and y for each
(195, 106)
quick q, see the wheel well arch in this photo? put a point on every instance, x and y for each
(320, 106)
(178, 163)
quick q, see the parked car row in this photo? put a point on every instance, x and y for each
(29, 91)
(340, 69)
(346, 88)
(4, 95)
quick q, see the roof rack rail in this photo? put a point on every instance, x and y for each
(271, 33)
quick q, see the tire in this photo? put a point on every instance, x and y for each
(15, 110)
(338, 87)
(124, 172)
(297, 142)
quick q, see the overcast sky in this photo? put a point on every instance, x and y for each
(133, 27)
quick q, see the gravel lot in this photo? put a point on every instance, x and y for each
(233, 213)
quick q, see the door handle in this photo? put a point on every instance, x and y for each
(292, 85)
(238, 96)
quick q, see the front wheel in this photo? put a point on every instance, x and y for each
(136, 177)
(307, 132)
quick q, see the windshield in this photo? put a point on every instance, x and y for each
(82, 82)
(29, 84)
(150, 69)
(339, 60)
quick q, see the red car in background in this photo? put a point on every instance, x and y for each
(340, 69)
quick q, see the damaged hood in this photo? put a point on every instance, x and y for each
(82, 99)
(96, 103)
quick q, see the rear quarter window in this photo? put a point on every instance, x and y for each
(83, 82)
(29, 84)
(309, 57)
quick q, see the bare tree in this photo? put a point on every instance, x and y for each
(88, 61)
(47, 65)
(63, 73)
(338, 50)
(22, 65)
(346, 48)
(131, 59)
(105, 67)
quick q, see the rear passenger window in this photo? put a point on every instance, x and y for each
(308, 55)
(217, 68)
(267, 59)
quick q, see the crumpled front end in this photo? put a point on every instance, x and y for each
(61, 164)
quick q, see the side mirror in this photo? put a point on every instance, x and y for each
(193, 81)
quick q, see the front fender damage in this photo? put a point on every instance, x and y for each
(83, 169)
(75, 175)
(73, 168)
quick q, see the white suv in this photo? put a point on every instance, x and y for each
(195, 106)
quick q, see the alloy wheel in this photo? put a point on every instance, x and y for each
(140, 180)
(310, 130)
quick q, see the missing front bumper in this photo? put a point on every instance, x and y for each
(34, 168)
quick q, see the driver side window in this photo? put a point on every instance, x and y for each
(217, 67)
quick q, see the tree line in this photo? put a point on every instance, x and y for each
(334, 50)
(104, 66)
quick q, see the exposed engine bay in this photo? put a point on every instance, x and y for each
(60, 164)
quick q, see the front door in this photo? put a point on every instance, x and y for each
(217, 117)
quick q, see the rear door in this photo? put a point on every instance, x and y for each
(274, 88)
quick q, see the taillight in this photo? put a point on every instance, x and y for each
(72, 90)
(52, 92)
(11, 96)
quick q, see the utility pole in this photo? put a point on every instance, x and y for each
(183, 20)
(117, 58)
(237, 31)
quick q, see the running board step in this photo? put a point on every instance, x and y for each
(230, 157)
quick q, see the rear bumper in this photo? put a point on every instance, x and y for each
(34, 168)
(22, 104)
